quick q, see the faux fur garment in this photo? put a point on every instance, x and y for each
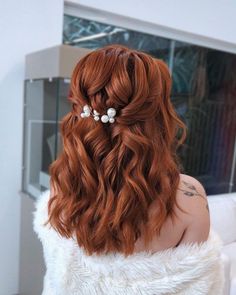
(189, 269)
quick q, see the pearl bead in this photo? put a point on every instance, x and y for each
(86, 108)
(111, 112)
(111, 120)
(96, 118)
(87, 114)
(95, 112)
(104, 118)
(82, 115)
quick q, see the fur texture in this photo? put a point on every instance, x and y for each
(189, 269)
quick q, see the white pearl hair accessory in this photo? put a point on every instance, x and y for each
(86, 111)
(111, 112)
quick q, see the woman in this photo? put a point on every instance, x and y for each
(120, 218)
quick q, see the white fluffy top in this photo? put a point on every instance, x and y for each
(187, 269)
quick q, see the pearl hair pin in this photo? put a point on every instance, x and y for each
(109, 117)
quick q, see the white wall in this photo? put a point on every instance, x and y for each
(209, 22)
(25, 26)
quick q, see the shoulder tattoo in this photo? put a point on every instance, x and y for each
(191, 191)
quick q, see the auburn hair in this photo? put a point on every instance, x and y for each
(109, 176)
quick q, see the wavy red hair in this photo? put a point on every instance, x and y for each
(109, 175)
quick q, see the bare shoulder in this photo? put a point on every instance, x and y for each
(192, 199)
(191, 187)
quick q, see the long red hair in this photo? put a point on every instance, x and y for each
(109, 175)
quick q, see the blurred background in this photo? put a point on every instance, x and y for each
(42, 40)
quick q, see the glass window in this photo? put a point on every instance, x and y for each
(203, 78)
(90, 34)
(45, 103)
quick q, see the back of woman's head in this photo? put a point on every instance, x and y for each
(109, 175)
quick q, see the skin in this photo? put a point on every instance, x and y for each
(190, 227)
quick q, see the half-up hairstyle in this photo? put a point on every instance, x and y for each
(109, 175)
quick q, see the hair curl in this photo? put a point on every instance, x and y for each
(109, 176)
